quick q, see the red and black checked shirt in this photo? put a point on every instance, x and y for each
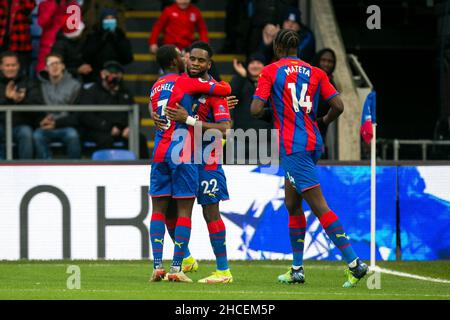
(19, 24)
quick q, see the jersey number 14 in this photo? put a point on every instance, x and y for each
(305, 101)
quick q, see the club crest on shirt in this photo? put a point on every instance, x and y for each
(193, 17)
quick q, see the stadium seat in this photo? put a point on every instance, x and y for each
(113, 154)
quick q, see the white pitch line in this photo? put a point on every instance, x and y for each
(409, 275)
(246, 292)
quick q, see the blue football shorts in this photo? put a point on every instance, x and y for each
(175, 180)
(213, 186)
(300, 169)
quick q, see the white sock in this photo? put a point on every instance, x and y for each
(296, 267)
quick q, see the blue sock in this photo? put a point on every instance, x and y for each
(182, 236)
(157, 230)
(171, 224)
(297, 229)
(334, 229)
(217, 235)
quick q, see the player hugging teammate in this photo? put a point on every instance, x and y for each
(183, 102)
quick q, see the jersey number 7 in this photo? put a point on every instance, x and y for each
(163, 105)
(305, 101)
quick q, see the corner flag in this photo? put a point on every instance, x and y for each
(368, 117)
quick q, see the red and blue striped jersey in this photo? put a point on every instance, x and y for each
(214, 110)
(166, 92)
(292, 88)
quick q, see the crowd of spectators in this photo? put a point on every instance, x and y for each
(81, 62)
(77, 63)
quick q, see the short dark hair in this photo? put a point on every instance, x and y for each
(165, 55)
(54, 54)
(287, 39)
(202, 45)
(9, 54)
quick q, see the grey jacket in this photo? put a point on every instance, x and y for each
(64, 92)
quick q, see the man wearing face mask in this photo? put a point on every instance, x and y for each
(105, 128)
(107, 42)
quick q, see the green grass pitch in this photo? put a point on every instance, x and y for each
(252, 280)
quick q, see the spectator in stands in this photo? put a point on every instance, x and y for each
(243, 86)
(52, 15)
(291, 21)
(17, 89)
(106, 43)
(325, 59)
(15, 29)
(58, 88)
(92, 10)
(70, 44)
(105, 128)
(178, 23)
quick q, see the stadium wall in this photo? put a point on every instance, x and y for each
(89, 211)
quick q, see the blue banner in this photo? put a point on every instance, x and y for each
(347, 190)
(424, 194)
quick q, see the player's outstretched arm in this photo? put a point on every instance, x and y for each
(200, 86)
(336, 109)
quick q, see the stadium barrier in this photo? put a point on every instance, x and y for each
(100, 211)
(133, 120)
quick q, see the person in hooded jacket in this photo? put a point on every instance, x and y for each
(107, 42)
(70, 44)
(324, 59)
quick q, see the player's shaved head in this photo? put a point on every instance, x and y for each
(169, 57)
(286, 43)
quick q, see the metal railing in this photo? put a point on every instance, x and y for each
(423, 143)
(133, 120)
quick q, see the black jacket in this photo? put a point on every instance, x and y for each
(103, 121)
(102, 46)
(33, 96)
(243, 89)
(72, 52)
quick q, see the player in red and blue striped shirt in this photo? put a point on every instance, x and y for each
(174, 174)
(211, 113)
(292, 88)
